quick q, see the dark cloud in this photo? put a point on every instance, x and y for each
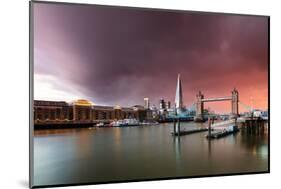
(119, 55)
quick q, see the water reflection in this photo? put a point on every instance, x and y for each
(114, 154)
(177, 146)
(209, 148)
(256, 144)
(83, 144)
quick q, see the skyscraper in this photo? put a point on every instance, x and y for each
(146, 103)
(168, 105)
(178, 98)
(162, 104)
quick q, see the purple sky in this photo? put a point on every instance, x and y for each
(119, 56)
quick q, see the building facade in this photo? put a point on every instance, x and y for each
(52, 110)
(85, 111)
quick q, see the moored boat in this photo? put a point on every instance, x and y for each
(101, 124)
(125, 122)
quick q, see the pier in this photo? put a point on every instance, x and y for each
(178, 132)
(187, 132)
(215, 130)
(253, 125)
(219, 134)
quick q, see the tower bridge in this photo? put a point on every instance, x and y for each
(200, 100)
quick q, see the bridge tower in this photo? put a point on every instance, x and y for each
(234, 103)
(199, 107)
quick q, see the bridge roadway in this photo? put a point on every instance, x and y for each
(216, 99)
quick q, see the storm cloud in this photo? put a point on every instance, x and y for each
(121, 55)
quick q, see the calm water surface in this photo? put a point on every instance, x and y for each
(117, 154)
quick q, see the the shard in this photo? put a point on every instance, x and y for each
(178, 98)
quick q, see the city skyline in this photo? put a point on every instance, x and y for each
(115, 57)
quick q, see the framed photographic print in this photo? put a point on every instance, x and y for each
(122, 94)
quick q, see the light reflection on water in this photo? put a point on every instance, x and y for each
(112, 154)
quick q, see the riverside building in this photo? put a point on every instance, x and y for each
(85, 111)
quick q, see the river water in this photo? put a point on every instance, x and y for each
(69, 156)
